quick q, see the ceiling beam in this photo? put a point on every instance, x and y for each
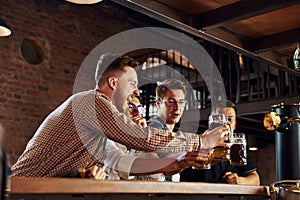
(165, 10)
(239, 11)
(277, 40)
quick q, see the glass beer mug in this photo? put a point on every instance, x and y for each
(218, 153)
(238, 150)
(207, 163)
(216, 120)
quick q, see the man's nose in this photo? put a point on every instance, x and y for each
(136, 92)
(176, 105)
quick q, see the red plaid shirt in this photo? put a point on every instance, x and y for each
(72, 136)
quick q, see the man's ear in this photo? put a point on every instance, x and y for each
(157, 102)
(112, 82)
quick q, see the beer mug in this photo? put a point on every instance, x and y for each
(216, 120)
(206, 164)
(238, 150)
(219, 153)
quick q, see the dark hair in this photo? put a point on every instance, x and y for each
(230, 104)
(169, 84)
(111, 65)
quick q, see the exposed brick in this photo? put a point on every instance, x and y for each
(28, 93)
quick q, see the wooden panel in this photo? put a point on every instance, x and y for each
(196, 6)
(269, 23)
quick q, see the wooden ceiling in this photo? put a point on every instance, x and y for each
(268, 29)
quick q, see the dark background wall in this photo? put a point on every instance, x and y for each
(65, 35)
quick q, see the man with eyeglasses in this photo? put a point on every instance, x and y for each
(136, 110)
(123, 163)
(170, 102)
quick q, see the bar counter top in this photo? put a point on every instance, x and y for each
(20, 185)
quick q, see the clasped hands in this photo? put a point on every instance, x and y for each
(94, 172)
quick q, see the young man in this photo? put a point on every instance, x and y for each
(74, 135)
(170, 102)
(223, 172)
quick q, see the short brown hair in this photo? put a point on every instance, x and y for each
(114, 66)
(230, 104)
(169, 84)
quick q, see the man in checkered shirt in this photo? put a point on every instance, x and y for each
(74, 135)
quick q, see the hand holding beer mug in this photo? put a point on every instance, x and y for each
(204, 162)
(215, 121)
(220, 152)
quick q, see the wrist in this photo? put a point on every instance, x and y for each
(203, 144)
(200, 142)
(240, 180)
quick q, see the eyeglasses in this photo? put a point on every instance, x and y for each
(133, 108)
(172, 102)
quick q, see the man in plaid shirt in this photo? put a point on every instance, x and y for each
(74, 135)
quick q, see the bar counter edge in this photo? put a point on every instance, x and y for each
(22, 185)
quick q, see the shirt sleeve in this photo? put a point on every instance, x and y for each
(116, 163)
(150, 177)
(124, 166)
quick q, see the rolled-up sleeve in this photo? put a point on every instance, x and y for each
(124, 166)
(116, 163)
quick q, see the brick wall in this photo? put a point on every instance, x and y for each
(28, 93)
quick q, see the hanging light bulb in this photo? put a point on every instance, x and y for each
(296, 59)
(4, 29)
(84, 1)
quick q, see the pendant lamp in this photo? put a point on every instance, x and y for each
(4, 29)
(84, 1)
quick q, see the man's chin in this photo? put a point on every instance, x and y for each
(174, 121)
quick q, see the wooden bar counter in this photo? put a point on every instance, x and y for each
(73, 188)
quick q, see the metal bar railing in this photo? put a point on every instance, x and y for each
(255, 80)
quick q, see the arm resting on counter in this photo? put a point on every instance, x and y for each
(251, 178)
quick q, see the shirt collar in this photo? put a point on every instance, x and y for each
(100, 94)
